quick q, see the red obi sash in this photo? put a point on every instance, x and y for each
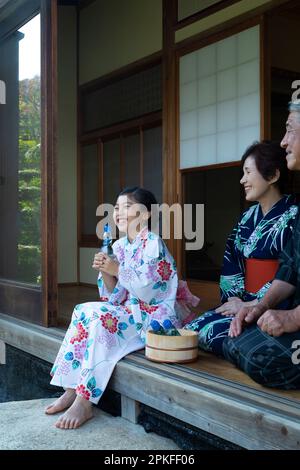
(259, 272)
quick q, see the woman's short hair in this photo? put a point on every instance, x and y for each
(269, 157)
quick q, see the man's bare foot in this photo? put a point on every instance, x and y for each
(63, 402)
(77, 414)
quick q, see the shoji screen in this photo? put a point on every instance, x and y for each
(220, 100)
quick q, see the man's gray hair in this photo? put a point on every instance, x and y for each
(294, 106)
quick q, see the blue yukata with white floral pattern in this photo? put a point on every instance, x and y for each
(101, 333)
(255, 236)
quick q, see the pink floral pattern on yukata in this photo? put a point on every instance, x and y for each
(148, 308)
(64, 368)
(79, 350)
(109, 322)
(81, 334)
(164, 270)
(127, 275)
(120, 253)
(107, 339)
(151, 273)
(83, 392)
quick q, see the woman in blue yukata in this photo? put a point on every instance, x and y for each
(251, 255)
(136, 286)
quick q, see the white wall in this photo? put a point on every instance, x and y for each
(88, 275)
(115, 33)
(237, 9)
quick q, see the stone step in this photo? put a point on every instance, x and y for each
(25, 426)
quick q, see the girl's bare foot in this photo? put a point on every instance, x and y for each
(77, 414)
(63, 402)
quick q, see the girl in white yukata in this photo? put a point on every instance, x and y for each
(136, 287)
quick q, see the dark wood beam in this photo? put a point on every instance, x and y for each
(170, 117)
(49, 163)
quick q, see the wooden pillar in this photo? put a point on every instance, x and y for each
(169, 124)
(2, 352)
(130, 409)
(265, 78)
(49, 177)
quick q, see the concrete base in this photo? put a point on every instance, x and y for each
(24, 426)
(2, 352)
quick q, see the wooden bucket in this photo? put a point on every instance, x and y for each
(162, 348)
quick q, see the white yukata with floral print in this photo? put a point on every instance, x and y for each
(101, 333)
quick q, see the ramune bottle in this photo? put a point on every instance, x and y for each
(170, 328)
(107, 241)
(157, 328)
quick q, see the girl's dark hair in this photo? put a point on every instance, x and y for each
(141, 196)
(269, 157)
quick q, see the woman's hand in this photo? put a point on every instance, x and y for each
(106, 264)
(244, 317)
(233, 306)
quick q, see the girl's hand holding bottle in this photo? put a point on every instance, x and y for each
(106, 264)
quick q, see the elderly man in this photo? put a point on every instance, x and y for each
(266, 348)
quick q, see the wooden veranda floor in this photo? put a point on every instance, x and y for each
(207, 363)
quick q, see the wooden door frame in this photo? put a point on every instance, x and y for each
(49, 161)
(40, 304)
(170, 117)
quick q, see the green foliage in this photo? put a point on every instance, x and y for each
(30, 109)
(29, 263)
(29, 243)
